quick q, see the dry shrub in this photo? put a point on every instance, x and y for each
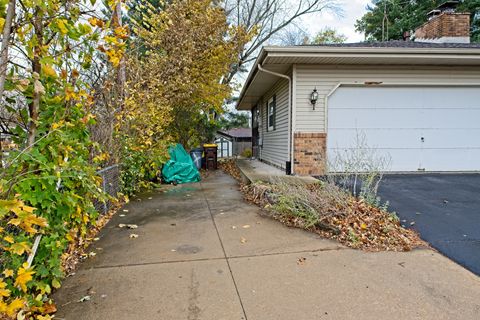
(328, 210)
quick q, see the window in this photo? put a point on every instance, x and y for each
(271, 110)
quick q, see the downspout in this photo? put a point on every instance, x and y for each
(290, 153)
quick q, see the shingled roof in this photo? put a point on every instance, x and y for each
(400, 44)
(237, 132)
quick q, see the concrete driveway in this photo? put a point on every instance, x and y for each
(443, 208)
(202, 252)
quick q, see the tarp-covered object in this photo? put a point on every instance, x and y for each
(180, 168)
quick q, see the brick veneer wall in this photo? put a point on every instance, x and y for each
(447, 24)
(310, 151)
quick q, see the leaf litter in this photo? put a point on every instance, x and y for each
(330, 212)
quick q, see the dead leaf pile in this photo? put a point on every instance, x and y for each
(331, 212)
(230, 167)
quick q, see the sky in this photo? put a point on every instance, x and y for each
(352, 10)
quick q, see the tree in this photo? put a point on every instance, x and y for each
(265, 18)
(45, 107)
(389, 19)
(175, 85)
(139, 11)
(329, 36)
(232, 120)
(291, 35)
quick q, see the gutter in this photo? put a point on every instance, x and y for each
(475, 51)
(290, 111)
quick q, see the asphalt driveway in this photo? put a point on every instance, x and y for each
(443, 208)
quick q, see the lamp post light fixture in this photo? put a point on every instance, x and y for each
(314, 97)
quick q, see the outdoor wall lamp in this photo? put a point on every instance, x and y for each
(314, 97)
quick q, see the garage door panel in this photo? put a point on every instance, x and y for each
(372, 98)
(374, 138)
(451, 97)
(395, 119)
(451, 138)
(436, 118)
(337, 158)
(369, 118)
(448, 159)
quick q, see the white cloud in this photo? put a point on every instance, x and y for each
(352, 10)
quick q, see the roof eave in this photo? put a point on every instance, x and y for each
(406, 54)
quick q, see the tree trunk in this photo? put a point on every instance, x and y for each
(7, 29)
(34, 106)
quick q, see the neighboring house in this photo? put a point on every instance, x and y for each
(415, 102)
(233, 142)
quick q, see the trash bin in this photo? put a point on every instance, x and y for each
(210, 151)
(196, 155)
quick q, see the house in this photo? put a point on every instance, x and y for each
(417, 102)
(233, 142)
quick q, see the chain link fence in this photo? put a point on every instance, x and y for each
(110, 186)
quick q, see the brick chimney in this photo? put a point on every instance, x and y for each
(444, 25)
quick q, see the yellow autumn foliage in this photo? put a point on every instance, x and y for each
(175, 76)
(24, 275)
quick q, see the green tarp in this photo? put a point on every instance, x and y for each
(180, 168)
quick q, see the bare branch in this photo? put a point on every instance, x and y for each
(269, 17)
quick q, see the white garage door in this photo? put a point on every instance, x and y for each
(418, 128)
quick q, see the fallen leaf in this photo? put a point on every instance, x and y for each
(363, 226)
(21, 315)
(49, 308)
(301, 261)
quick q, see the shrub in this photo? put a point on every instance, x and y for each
(47, 189)
(141, 168)
(247, 153)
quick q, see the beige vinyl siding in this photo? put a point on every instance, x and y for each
(326, 78)
(275, 142)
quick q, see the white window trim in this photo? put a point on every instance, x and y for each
(270, 125)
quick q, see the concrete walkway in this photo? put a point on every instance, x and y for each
(203, 253)
(253, 170)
